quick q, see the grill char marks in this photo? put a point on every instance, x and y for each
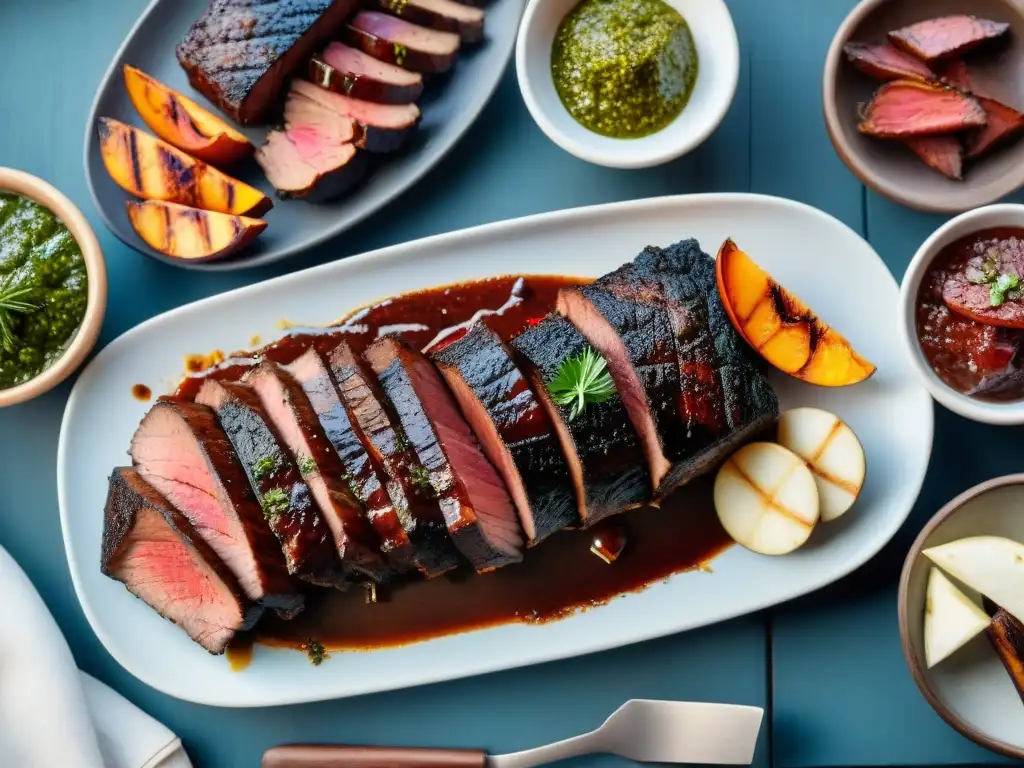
(603, 450)
(159, 556)
(299, 429)
(240, 52)
(288, 506)
(725, 398)
(514, 430)
(481, 518)
(366, 478)
(183, 453)
(411, 494)
(636, 340)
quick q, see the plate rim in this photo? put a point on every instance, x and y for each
(240, 263)
(398, 252)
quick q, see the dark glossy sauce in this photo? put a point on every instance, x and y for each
(969, 356)
(561, 576)
(142, 393)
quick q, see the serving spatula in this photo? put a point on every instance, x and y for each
(643, 730)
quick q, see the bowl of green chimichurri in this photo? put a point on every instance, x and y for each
(628, 83)
(53, 287)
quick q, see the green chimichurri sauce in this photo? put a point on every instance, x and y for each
(624, 68)
(43, 289)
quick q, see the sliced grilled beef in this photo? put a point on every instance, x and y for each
(286, 500)
(183, 453)
(444, 15)
(944, 154)
(365, 476)
(303, 162)
(408, 481)
(159, 556)
(378, 128)
(350, 72)
(514, 430)
(726, 398)
(297, 424)
(403, 44)
(902, 109)
(886, 62)
(240, 52)
(946, 37)
(481, 518)
(604, 453)
(635, 338)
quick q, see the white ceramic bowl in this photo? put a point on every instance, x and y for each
(1006, 215)
(718, 55)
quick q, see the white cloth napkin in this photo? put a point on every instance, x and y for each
(52, 715)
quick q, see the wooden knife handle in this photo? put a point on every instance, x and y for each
(309, 756)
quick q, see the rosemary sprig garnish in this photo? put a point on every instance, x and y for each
(12, 302)
(582, 380)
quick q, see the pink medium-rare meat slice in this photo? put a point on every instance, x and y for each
(944, 154)
(366, 478)
(514, 430)
(403, 44)
(481, 518)
(303, 113)
(408, 481)
(379, 128)
(239, 53)
(154, 550)
(443, 15)
(287, 503)
(296, 422)
(350, 72)
(1003, 125)
(181, 451)
(301, 162)
(883, 61)
(905, 108)
(946, 37)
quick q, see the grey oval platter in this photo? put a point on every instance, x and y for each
(450, 105)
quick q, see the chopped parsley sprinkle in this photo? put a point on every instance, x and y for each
(316, 652)
(264, 467)
(420, 477)
(307, 466)
(274, 503)
(1005, 287)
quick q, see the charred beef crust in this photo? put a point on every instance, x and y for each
(239, 53)
(715, 361)
(414, 501)
(615, 474)
(280, 590)
(127, 493)
(485, 364)
(364, 476)
(305, 538)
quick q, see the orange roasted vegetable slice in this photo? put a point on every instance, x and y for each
(178, 120)
(152, 169)
(783, 330)
(189, 233)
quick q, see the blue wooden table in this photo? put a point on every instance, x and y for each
(827, 668)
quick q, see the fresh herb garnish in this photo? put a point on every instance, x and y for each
(1006, 286)
(274, 503)
(316, 651)
(12, 302)
(264, 467)
(420, 477)
(307, 466)
(400, 53)
(582, 380)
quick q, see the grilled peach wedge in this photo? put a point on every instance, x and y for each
(189, 233)
(178, 120)
(782, 329)
(152, 169)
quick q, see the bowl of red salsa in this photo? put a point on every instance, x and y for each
(963, 314)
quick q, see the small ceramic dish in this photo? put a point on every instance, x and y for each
(986, 411)
(888, 167)
(43, 193)
(970, 690)
(718, 56)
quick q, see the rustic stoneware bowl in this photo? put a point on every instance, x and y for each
(46, 195)
(888, 167)
(970, 690)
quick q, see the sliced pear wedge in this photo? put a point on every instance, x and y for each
(951, 619)
(766, 499)
(992, 565)
(832, 452)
